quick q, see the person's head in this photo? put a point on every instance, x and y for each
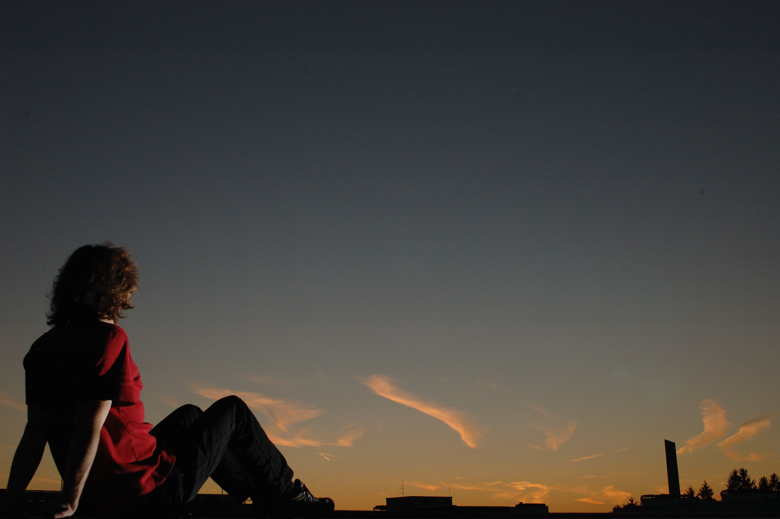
(97, 282)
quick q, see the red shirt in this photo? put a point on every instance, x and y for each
(91, 361)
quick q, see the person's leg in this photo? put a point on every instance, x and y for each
(168, 498)
(227, 443)
(231, 476)
(173, 425)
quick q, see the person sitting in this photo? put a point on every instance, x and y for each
(83, 394)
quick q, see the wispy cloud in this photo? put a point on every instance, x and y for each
(430, 487)
(533, 492)
(457, 420)
(7, 401)
(594, 456)
(298, 440)
(713, 417)
(613, 495)
(525, 491)
(746, 431)
(349, 434)
(606, 495)
(282, 413)
(542, 411)
(466, 486)
(590, 500)
(557, 434)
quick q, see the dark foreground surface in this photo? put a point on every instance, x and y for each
(219, 506)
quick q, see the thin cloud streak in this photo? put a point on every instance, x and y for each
(713, 417)
(588, 457)
(747, 431)
(425, 486)
(457, 420)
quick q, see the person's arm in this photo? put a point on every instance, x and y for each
(88, 421)
(26, 460)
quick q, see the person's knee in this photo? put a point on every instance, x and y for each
(232, 404)
(234, 401)
(188, 413)
(177, 421)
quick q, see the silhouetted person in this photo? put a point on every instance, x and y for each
(83, 399)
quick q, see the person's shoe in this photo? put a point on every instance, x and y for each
(299, 502)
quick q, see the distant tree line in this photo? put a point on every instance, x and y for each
(738, 482)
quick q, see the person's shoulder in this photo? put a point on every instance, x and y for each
(113, 331)
(113, 339)
(86, 337)
(46, 336)
(39, 347)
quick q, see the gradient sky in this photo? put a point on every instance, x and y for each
(497, 250)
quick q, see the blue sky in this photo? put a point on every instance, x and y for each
(497, 249)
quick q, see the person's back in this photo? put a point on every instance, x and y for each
(89, 360)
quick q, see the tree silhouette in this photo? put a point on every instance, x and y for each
(706, 492)
(739, 481)
(689, 493)
(628, 506)
(763, 484)
(774, 483)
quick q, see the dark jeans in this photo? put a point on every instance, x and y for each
(224, 442)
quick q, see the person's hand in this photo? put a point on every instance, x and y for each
(61, 511)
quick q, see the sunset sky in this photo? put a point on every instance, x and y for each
(493, 250)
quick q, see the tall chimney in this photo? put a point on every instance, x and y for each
(671, 469)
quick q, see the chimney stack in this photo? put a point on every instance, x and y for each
(671, 469)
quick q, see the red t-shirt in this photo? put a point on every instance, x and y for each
(91, 361)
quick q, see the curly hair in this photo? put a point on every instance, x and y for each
(97, 282)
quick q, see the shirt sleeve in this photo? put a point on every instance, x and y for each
(114, 375)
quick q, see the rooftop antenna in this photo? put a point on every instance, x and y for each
(402, 488)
